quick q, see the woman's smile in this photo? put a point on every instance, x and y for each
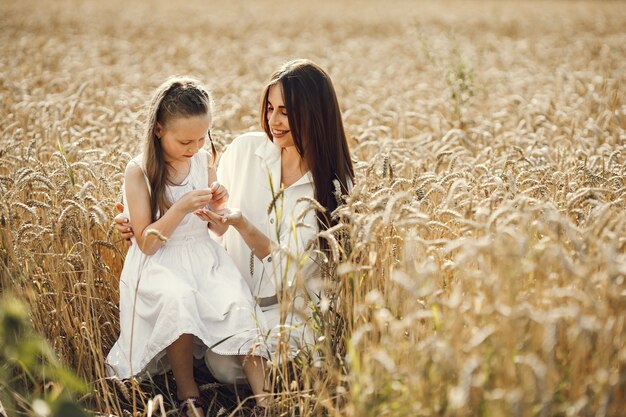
(277, 134)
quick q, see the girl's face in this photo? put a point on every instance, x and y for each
(183, 137)
(277, 117)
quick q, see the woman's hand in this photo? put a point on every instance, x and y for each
(220, 221)
(122, 224)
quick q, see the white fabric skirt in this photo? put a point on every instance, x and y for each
(190, 286)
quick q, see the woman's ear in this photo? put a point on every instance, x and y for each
(158, 131)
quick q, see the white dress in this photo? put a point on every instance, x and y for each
(190, 285)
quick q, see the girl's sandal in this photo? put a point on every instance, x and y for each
(189, 407)
(258, 411)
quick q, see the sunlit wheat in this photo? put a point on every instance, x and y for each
(481, 254)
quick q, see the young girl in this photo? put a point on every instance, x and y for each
(179, 291)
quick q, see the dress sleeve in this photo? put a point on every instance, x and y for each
(294, 263)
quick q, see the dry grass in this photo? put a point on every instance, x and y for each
(486, 261)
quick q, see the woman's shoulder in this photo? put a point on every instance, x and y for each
(242, 148)
(248, 141)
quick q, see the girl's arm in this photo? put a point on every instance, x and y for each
(220, 193)
(139, 209)
(220, 199)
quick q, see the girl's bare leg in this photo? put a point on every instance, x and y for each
(180, 355)
(255, 369)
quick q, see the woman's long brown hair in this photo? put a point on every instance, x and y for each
(176, 97)
(317, 130)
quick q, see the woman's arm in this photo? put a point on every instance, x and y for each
(284, 258)
(256, 240)
(220, 221)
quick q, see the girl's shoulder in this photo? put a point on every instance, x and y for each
(204, 159)
(135, 169)
(136, 161)
(135, 174)
(204, 155)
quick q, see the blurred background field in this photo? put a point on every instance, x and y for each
(485, 261)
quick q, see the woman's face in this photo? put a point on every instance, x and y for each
(277, 118)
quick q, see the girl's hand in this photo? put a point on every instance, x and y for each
(220, 196)
(194, 200)
(122, 224)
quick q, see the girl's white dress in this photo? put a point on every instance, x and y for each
(190, 285)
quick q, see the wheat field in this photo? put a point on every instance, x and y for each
(483, 249)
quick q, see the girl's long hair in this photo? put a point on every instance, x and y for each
(317, 130)
(176, 97)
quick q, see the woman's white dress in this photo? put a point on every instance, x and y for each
(190, 285)
(250, 169)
